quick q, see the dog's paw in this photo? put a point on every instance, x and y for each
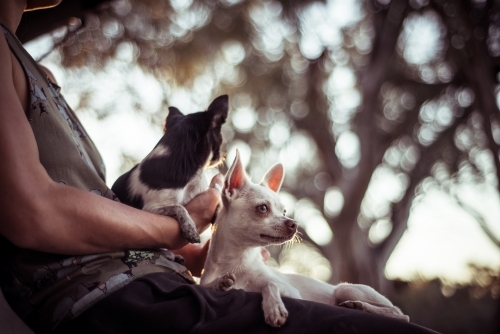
(226, 282)
(388, 311)
(187, 225)
(188, 230)
(191, 235)
(276, 316)
(352, 304)
(364, 298)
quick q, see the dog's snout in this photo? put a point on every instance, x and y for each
(291, 224)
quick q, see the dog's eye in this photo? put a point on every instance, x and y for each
(284, 212)
(263, 208)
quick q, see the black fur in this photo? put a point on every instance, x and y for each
(121, 190)
(190, 140)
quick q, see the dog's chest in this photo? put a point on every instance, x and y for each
(248, 268)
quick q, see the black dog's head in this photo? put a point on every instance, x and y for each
(202, 129)
(190, 143)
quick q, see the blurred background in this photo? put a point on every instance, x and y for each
(384, 113)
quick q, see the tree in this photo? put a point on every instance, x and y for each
(362, 101)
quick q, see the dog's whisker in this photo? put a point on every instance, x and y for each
(297, 238)
(289, 243)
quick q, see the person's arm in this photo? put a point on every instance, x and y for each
(195, 256)
(40, 214)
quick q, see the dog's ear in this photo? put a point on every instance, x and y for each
(218, 108)
(273, 179)
(236, 177)
(174, 115)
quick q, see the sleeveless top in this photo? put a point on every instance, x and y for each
(45, 289)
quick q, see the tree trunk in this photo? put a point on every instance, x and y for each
(351, 260)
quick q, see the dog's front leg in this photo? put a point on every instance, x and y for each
(275, 312)
(179, 213)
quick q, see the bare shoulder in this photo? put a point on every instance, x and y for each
(12, 78)
(21, 172)
(5, 66)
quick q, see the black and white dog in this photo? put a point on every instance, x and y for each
(172, 173)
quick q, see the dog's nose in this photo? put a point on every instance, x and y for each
(291, 224)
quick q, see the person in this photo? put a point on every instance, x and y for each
(76, 260)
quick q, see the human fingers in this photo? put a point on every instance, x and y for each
(203, 207)
(213, 194)
(215, 187)
(217, 182)
(265, 254)
(205, 247)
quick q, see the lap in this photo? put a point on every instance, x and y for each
(165, 303)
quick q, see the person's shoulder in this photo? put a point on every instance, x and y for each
(6, 61)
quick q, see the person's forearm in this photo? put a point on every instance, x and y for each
(66, 220)
(40, 214)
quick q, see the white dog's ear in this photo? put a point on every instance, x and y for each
(236, 177)
(273, 179)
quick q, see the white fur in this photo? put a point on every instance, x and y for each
(235, 261)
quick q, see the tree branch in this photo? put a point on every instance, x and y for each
(477, 67)
(371, 79)
(479, 218)
(318, 115)
(401, 210)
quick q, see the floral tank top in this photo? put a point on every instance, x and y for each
(44, 289)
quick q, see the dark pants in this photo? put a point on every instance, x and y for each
(165, 303)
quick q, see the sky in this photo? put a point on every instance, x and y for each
(441, 239)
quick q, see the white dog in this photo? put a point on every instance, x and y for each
(251, 217)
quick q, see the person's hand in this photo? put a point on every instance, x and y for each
(203, 207)
(202, 210)
(195, 256)
(265, 254)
